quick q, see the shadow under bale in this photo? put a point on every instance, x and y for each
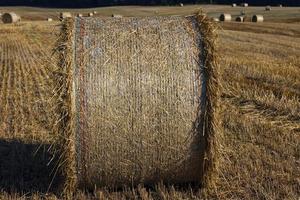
(26, 168)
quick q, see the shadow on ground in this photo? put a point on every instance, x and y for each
(25, 168)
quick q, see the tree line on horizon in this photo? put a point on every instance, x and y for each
(96, 3)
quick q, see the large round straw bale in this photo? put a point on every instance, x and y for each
(79, 15)
(215, 19)
(137, 108)
(11, 17)
(268, 8)
(117, 16)
(225, 17)
(233, 5)
(65, 15)
(257, 18)
(239, 19)
(244, 4)
(181, 4)
(91, 14)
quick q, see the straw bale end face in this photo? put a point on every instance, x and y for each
(225, 17)
(11, 17)
(139, 103)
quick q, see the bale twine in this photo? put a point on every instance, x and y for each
(8, 18)
(268, 8)
(225, 17)
(49, 19)
(244, 4)
(240, 19)
(233, 5)
(116, 16)
(138, 101)
(65, 15)
(257, 18)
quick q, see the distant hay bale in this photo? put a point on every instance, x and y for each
(268, 8)
(8, 18)
(79, 15)
(233, 5)
(95, 12)
(215, 19)
(49, 19)
(65, 15)
(240, 19)
(225, 17)
(257, 18)
(181, 4)
(280, 5)
(116, 16)
(91, 14)
(244, 4)
(137, 108)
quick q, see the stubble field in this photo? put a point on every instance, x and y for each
(259, 66)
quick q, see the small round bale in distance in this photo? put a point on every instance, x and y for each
(116, 16)
(268, 8)
(79, 15)
(244, 4)
(8, 18)
(65, 15)
(257, 18)
(49, 19)
(225, 17)
(137, 108)
(233, 5)
(91, 14)
(239, 19)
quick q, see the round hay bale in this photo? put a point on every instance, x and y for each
(225, 17)
(233, 5)
(117, 16)
(79, 15)
(268, 8)
(181, 4)
(95, 12)
(280, 5)
(65, 15)
(91, 14)
(215, 19)
(244, 4)
(239, 19)
(257, 18)
(8, 18)
(145, 115)
(49, 19)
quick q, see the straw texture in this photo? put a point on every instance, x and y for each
(140, 103)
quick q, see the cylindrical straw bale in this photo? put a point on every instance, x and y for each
(117, 16)
(65, 15)
(268, 8)
(137, 108)
(91, 14)
(8, 18)
(225, 17)
(244, 4)
(233, 5)
(240, 19)
(79, 15)
(257, 18)
(181, 4)
(49, 19)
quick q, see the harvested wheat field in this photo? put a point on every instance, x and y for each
(259, 67)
